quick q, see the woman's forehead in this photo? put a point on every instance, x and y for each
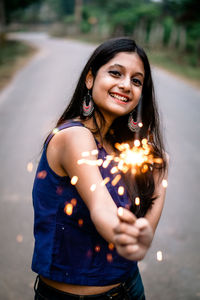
(129, 60)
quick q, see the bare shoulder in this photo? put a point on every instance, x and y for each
(68, 143)
(77, 138)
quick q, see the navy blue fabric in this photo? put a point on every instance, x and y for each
(65, 249)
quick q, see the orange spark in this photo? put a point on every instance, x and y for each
(73, 201)
(68, 209)
(111, 246)
(80, 222)
(97, 248)
(145, 168)
(42, 174)
(105, 181)
(109, 257)
(116, 179)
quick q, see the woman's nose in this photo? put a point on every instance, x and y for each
(125, 84)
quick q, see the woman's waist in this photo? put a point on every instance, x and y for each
(78, 289)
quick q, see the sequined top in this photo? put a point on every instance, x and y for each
(68, 247)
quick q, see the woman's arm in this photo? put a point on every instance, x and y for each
(126, 242)
(70, 144)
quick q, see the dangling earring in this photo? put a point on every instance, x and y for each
(88, 105)
(132, 125)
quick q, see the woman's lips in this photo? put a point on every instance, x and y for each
(119, 97)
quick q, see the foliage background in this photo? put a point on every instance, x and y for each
(168, 29)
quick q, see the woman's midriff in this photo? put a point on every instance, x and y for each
(78, 289)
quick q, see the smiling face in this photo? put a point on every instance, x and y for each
(117, 87)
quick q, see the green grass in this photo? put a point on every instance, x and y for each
(13, 55)
(176, 63)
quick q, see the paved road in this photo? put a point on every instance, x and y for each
(29, 107)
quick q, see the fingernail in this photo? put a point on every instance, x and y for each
(120, 211)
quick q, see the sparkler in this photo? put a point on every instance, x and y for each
(137, 159)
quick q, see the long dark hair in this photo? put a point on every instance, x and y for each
(141, 184)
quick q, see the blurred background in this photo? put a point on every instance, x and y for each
(44, 45)
(168, 29)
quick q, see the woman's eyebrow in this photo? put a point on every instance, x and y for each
(117, 65)
(120, 66)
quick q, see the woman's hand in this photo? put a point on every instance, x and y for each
(132, 236)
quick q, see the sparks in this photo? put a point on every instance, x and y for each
(42, 174)
(114, 170)
(94, 152)
(111, 246)
(137, 143)
(109, 257)
(164, 183)
(93, 187)
(116, 179)
(137, 157)
(68, 209)
(80, 222)
(120, 211)
(159, 256)
(74, 180)
(121, 190)
(55, 130)
(19, 238)
(85, 154)
(73, 201)
(137, 201)
(29, 167)
(97, 248)
(105, 181)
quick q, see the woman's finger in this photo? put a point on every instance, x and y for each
(125, 215)
(126, 228)
(124, 239)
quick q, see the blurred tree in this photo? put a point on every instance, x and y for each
(12, 6)
(2, 21)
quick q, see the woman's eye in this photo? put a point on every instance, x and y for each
(115, 73)
(136, 81)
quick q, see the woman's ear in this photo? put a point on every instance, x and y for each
(89, 80)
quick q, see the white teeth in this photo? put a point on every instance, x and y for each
(119, 97)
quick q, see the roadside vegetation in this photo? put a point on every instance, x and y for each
(168, 29)
(13, 55)
(177, 64)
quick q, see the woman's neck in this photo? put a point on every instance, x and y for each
(92, 126)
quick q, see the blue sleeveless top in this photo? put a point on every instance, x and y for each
(68, 248)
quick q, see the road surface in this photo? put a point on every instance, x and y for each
(29, 108)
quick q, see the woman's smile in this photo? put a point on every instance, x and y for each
(119, 97)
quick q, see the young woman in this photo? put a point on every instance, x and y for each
(85, 247)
